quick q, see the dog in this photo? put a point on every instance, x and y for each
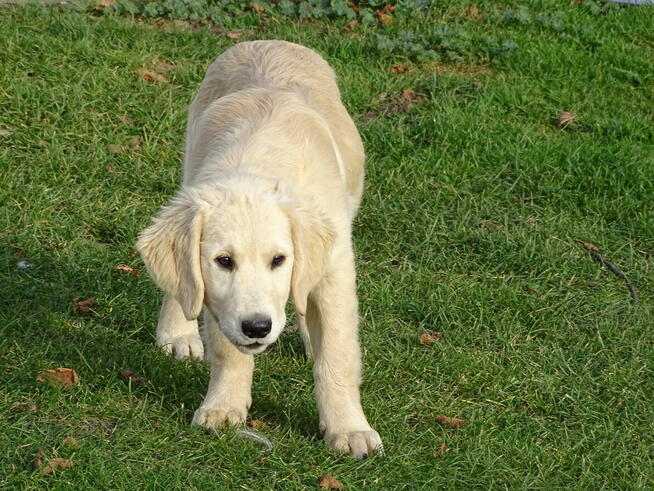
(273, 178)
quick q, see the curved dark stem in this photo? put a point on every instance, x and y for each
(597, 257)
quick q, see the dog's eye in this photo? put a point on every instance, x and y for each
(277, 261)
(226, 262)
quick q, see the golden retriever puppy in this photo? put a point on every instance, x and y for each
(273, 176)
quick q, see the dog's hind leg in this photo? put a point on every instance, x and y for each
(175, 334)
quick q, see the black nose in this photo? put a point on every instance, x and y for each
(256, 327)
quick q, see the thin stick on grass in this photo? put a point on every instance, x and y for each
(597, 257)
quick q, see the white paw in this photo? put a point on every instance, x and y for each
(359, 444)
(189, 345)
(212, 418)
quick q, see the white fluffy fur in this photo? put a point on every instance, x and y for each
(273, 166)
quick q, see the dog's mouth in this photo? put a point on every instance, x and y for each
(252, 348)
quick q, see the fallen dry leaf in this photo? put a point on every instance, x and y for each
(124, 268)
(398, 68)
(85, 307)
(490, 224)
(135, 142)
(429, 338)
(259, 425)
(565, 118)
(403, 101)
(42, 143)
(114, 148)
(61, 377)
(257, 8)
(261, 460)
(384, 17)
(149, 75)
(453, 422)
(131, 376)
(439, 452)
(473, 13)
(587, 245)
(351, 25)
(110, 168)
(234, 35)
(369, 116)
(56, 463)
(38, 459)
(328, 482)
(70, 442)
(103, 5)
(162, 66)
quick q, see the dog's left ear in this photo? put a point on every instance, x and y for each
(170, 249)
(313, 238)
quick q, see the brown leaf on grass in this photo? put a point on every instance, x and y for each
(351, 25)
(70, 442)
(439, 452)
(259, 425)
(169, 25)
(124, 268)
(473, 13)
(162, 66)
(38, 459)
(384, 17)
(114, 148)
(587, 245)
(110, 169)
(398, 68)
(403, 101)
(103, 5)
(490, 224)
(328, 482)
(453, 422)
(5, 131)
(61, 377)
(429, 338)
(131, 376)
(135, 142)
(234, 35)
(369, 116)
(257, 8)
(55, 464)
(565, 118)
(42, 143)
(84, 307)
(149, 75)
(261, 460)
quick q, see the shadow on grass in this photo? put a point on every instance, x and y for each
(44, 332)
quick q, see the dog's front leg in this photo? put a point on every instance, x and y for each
(175, 334)
(229, 395)
(332, 320)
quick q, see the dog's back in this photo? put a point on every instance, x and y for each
(240, 92)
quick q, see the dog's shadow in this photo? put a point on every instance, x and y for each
(43, 330)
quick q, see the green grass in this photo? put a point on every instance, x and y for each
(542, 352)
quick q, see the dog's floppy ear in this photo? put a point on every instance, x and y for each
(170, 249)
(313, 238)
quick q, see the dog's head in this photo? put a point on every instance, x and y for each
(238, 246)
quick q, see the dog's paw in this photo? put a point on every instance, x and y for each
(359, 444)
(212, 418)
(186, 346)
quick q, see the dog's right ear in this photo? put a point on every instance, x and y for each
(170, 249)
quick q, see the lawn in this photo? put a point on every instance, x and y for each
(476, 193)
